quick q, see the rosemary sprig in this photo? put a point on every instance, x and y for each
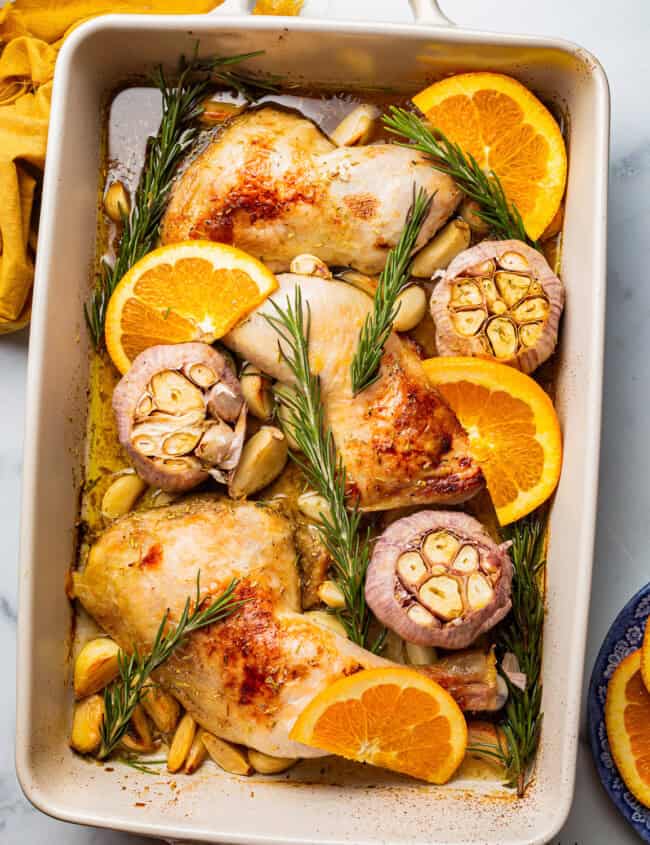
(122, 696)
(502, 216)
(339, 529)
(521, 634)
(395, 275)
(181, 106)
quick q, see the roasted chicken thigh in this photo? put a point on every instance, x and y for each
(274, 185)
(400, 443)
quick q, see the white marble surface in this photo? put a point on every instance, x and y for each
(619, 34)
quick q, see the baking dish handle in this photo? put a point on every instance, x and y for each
(429, 12)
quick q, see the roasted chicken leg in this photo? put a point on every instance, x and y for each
(247, 678)
(400, 443)
(274, 185)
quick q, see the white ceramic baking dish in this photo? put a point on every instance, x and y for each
(215, 807)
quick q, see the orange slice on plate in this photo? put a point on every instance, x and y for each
(393, 718)
(187, 291)
(627, 719)
(514, 433)
(645, 656)
(507, 130)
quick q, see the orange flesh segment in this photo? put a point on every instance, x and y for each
(388, 718)
(645, 656)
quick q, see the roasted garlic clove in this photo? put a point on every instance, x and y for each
(502, 334)
(162, 708)
(181, 743)
(122, 495)
(330, 594)
(441, 250)
(499, 299)
(226, 756)
(314, 506)
(196, 755)
(412, 304)
(117, 202)
(174, 410)
(214, 112)
(263, 458)
(468, 210)
(87, 723)
(426, 579)
(420, 655)
(257, 393)
(266, 765)
(327, 620)
(96, 666)
(310, 265)
(358, 280)
(355, 128)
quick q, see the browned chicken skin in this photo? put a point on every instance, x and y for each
(272, 184)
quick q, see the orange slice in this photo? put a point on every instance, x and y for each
(393, 718)
(645, 656)
(627, 719)
(514, 433)
(507, 130)
(187, 291)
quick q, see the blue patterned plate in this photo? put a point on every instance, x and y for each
(624, 637)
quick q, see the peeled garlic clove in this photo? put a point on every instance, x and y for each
(412, 303)
(117, 203)
(162, 708)
(521, 289)
(96, 666)
(225, 755)
(438, 597)
(263, 458)
(256, 389)
(122, 495)
(225, 401)
(266, 765)
(310, 265)
(330, 594)
(442, 249)
(216, 443)
(314, 506)
(502, 334)
(327, 620)
(87, 722)
(468, 210)
(196, 755)
(140, 726)
(355, 128)
(181, 743)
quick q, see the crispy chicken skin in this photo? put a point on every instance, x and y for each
(247, 678)
(272, 184)
(401, 444)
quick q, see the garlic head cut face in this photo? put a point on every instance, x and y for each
(181, 416)
(437, 578)
(500, 300)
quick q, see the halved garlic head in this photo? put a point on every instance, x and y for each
(499, 299)
(181, 416)
(437, 578)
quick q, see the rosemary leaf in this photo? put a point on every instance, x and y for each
(181, 106)
(502, 217)
(395, 275)
(521, 634)
(340, 530)
(122, 696)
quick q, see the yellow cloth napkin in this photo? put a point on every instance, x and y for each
(31, 31)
